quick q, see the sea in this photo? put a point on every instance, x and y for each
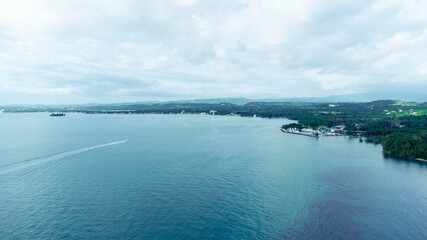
(144, 176)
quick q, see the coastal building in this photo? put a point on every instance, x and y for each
(361, 133)
(338, 130)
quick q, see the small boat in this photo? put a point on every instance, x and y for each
(57, 114)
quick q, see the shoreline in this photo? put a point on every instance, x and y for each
(298, 133)
(131, 112)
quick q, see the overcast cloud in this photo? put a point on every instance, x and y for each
(115, 51)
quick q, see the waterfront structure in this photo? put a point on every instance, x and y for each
(57, 114)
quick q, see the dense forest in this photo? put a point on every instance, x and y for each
(401, 127)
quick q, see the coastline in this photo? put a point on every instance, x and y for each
(298, 133)
(219, 114)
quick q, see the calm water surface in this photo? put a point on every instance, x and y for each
(199, 177)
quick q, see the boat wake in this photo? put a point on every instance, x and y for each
(40, 160)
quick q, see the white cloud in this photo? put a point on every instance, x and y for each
(132, 50)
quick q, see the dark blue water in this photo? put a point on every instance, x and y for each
(199, 177)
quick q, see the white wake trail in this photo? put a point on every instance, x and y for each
(50, 158)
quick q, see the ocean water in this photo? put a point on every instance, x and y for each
(199, 177)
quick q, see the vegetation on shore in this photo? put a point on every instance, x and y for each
(401, 127)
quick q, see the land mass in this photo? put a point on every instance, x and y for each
(401, 127)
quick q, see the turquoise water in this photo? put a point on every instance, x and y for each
(199, 177)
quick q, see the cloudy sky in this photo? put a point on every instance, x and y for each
(116, 51)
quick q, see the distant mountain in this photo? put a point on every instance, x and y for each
(216, 100)
(74, 105)
(360, 97)
(416, 96)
